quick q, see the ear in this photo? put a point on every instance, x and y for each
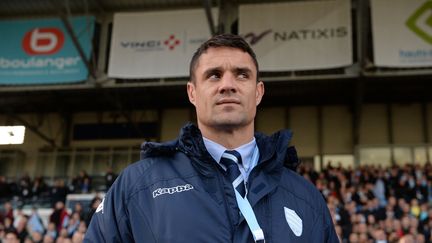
(259, 92)
(191, 92)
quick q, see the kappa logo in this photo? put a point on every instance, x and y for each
(172, 190)
(294, 221)
(421, 22)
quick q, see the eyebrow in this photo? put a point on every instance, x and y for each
(235, 70)
(209, 71)
(242, 70)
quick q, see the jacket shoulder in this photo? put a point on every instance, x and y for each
(302, 189)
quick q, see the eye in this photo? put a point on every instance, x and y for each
(214, 76)
(243, 75)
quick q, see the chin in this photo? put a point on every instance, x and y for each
(229, 124)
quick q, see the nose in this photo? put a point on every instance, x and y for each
(228, 84)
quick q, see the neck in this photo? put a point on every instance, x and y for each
(230, 138)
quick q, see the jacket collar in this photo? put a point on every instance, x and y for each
(272, 148)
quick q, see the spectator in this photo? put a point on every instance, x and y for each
(24, 186)
(78, 236)
(73, 224)
(51, 232)
(11, 236)
(59, 217)
(93, 206)
(7, 212)
(37, 237)
(35, 223)
(110, 177)
(21, 228)
(58, 192)
(77, 208)
(39, 188)
(81, 183)
(63, 237)
(2, 232)
(48, 239)
(4, 188)
(8, 224)
(85, 186)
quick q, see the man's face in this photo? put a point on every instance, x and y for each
(11, 238)
(225, 92)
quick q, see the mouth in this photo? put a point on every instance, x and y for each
(227, 101)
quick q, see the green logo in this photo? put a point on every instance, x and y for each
(421, 31)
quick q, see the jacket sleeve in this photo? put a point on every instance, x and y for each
(330, 234)
(110, 222)
(324, 229)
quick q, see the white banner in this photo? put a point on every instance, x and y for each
(299, 35)
(156, 44)
(404, 37)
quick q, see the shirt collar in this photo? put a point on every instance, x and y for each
(246, 151)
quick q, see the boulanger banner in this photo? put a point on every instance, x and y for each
(156, 44)
(299, 35)
(404, 37)
(42, 52)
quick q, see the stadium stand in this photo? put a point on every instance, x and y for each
(375, 119)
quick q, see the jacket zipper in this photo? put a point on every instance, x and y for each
(221, 188)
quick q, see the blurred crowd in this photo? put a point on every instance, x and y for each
(63, 225)
(371, 204)
(38, 191)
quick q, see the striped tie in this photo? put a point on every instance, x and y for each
(230, 159)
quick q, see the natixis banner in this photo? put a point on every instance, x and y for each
(156, 44)
(402, 33)
(40, 51)
(299, 35)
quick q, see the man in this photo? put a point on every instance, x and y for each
(11, 236)
(184, 191)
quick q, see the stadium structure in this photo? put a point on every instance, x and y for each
(351, 78)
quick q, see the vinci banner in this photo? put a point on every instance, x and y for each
(42, 52)
(299, 35)
(404, 37)
(156, 44)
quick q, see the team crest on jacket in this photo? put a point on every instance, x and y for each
(294, 221)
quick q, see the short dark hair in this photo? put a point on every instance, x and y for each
(223, 40)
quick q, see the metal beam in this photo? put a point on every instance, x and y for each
(32, 128)
(357, 111)
(69, 29)
(76, 43)
(320, 135)
(207, 8)
(390, 131)
(67, 128)
(228, 14)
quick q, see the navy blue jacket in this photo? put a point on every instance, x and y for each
(178, 193)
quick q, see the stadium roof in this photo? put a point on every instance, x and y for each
(310, 88)
(23, 8)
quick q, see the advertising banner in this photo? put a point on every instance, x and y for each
(156, 44)
(42, 52)
(404, 37)
(299, 35)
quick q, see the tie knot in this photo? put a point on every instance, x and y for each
(231, 155)
(230, 159)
